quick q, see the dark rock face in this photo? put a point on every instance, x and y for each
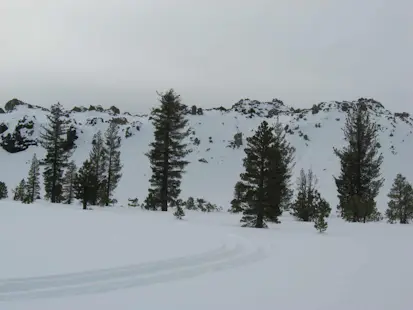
(3, 128)
(2, 111)
(10, 106)
(114, 109)
(17, 141)
(119, 120)
(71, 137)
(94, 121)
(14, 143)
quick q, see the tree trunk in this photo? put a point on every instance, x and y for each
(109, 180)
(85, 197)
(164, 189)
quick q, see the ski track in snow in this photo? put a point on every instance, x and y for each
(99, 281)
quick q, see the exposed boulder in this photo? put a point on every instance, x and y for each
(3, 128)
(119, 120)
(114, 109)
(2, 111)
(11, 105)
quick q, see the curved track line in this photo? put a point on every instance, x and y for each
(130, 276)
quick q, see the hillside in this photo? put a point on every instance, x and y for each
(214, 167)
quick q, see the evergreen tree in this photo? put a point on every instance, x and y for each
(322, 211)
(360, 181)
(190, 204)
(236, 203)
(179, 212)
(264, 178)
(57, 155)
(400, 206)
(98, 160)
(3, 190)
(167, 151)
(200, 204)
(114, 166)
(282, 166)
(33, 181)
(19, 191)
(303, 207)
(69, 182)
(85, 183)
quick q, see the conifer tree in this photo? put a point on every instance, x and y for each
(19, 192)
(360, 180)
(179, 212)
(303, 207)
(98, 160)
(236, 203)
(263, 179)
(168, 151)
(85, 183)
(33, 181)
(282, 166)
(322, 211)
(190, 204)
(57, 155)
(3, 190)
(114, 166)
(400, 206)
(69, 180)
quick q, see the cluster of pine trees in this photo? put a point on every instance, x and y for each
(264, 191)
(94, 183)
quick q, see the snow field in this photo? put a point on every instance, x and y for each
(59, 257)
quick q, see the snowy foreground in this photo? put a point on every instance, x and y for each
(60, 257)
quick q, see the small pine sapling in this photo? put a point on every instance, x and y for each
(3, 190)
(19, 191)
(133, 202)
(190, 204)
(179, 213)
(322, 211)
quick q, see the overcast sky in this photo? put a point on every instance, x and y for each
(215, 52)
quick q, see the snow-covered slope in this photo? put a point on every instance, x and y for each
(214, 166)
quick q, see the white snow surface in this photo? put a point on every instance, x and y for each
(61, 257)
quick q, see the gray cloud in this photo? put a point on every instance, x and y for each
(212, 52)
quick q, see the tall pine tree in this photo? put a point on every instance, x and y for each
(68, 183)
(264, 178)
(57, 155)
(167, 151)
(33, 181)
(400, 206)
(98, 160)
(360, 180)
(282, 166)
(114, 166)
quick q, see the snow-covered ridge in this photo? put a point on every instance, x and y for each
(215, 165)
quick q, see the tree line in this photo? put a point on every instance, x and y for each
(93, 183)
(264, 190)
